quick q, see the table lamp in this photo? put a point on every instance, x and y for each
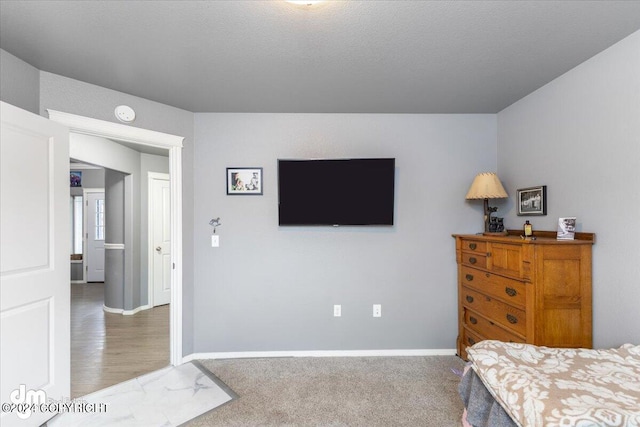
(486, 186)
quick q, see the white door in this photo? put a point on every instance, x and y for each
(160, 232)
(94, 235)
(34, 262)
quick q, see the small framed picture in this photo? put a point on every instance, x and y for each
(244, 181)
(567, 228)
(75, 179)
(532, 200)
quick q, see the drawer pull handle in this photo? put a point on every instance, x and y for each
(512, 319)
(472, 246)
(471, 341)
(469, 277)
(473, 320)
(510, 291)
(472, 260)
(469, 298)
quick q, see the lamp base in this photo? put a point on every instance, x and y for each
(495, 233)
(487, 221)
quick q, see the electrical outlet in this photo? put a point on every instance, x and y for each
(377, 310)
(337, 310)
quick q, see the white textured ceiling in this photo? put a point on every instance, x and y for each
(338, 56)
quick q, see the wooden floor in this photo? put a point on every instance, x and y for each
(108, 348)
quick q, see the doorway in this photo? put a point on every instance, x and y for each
(94, 226)
(105, 338)
(159, 239)
(141, 138)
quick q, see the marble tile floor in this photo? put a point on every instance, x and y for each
(168, 397)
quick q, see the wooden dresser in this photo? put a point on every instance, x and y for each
(534, 291)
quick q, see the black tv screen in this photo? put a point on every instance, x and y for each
(336, 192)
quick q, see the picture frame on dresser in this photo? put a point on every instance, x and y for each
(532, 200)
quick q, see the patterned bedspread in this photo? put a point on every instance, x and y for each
(541, 386)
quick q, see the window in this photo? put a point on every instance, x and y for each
(99, 231)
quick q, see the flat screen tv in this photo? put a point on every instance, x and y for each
(336, 191)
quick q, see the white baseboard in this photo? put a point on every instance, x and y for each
(78, 281)
(319, 353)
(125, 312)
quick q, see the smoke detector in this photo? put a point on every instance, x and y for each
(125, 114)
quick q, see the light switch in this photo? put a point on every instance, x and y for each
(215, 240)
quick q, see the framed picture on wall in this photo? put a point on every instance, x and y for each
(75, 179)
(532, 200)
(244, 181)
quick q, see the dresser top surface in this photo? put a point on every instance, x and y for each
(539, 237)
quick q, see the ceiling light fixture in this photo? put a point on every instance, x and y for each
(304, 2)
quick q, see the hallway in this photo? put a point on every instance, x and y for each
(108, 348)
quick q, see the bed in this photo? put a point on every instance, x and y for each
(514, 384)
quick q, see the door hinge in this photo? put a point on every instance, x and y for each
(174, 265)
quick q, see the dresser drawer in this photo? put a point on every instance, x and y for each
(467, 339)
(488, 328)
(474, 246)
(499, 312)
(475, 260)
(508, 290)
(507, 259)
(470, 337)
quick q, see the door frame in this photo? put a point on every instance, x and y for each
(151, 176)
(150, 138)
(85, 216)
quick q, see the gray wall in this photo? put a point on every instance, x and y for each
(76, 271)
(72, 96)
(19, 82)
(272, 288)
(268, 288)
(580, 136)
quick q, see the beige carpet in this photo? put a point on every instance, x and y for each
(350, 391)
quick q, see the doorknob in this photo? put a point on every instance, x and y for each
(159, 248)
